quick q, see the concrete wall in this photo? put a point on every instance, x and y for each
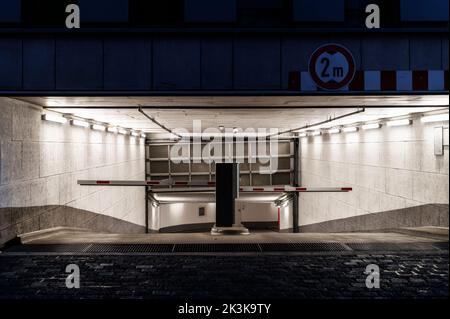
(41, 161)
(185, 214)
(391, 169)
(286, 218)
(257, 212)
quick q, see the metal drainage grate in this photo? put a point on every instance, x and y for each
(213, 248)
(216, 248)
(390, 246)
(49, 248)
(306, 247)
(130, 248)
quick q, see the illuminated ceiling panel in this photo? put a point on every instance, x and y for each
(280, 112)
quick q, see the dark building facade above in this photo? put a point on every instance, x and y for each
(144, 47)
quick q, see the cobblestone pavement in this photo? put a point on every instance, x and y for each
(404, 275)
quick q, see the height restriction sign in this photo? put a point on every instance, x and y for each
(332, 66)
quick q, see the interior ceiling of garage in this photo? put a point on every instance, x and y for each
(282, 112)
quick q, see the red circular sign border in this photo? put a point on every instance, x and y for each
(338, 48)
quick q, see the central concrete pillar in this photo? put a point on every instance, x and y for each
(227, 190)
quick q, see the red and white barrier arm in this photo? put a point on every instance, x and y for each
(256, 189)
(144, 183)
(288, 188)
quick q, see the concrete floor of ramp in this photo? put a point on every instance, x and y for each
(81, 236)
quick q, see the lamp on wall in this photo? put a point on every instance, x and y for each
(399, 122)
(98, 127)
(350, 129)
(54, 118)
(434, 118)
(334, 130)
(371, 126)
(79, 123)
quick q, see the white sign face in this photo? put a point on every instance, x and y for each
(332, 67)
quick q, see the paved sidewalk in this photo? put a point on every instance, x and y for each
(402, 275)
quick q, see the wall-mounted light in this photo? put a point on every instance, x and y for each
(143, 135)
(98, 127)
(350, 129)
(435, 118)
(79, 123)
(112, 129)
(333, 131)
(316, 133)
(371, 126)
(221, 128)
(123, 131)
(54, 118)
(235, 130)
(136, 134)
(303, 134)
(399, 122)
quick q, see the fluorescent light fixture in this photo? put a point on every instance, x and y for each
(399, 122)
(350, 129)
(371, 126)
(54, 118)
(434, 118)
(316, 133)
(303, 134)
(79, 123)
(333, 131)
(123, 131)
(134, 133)
(143, 135)
(98, 127)
(112, 129)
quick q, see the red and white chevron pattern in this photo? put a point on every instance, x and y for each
(406, 81)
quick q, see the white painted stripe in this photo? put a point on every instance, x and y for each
(436, 80)
(306, 82)
(404, 80)
(372, 80)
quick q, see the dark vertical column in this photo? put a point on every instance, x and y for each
(146, 210)
(147, 175)
(226, 193)
(295, 207)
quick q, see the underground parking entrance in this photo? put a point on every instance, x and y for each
(282, 201)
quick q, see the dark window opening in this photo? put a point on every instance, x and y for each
(264, 13)
(156, 13)
(103, 13)
(10, 12)
(217, 12)
(45, 13)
